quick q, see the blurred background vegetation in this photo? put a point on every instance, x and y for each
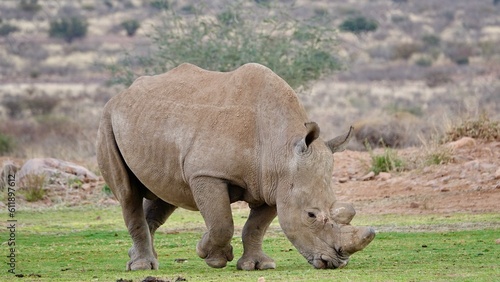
(400, 71)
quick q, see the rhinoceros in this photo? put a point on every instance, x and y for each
(201, 140)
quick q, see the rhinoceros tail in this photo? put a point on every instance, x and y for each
(111, 163)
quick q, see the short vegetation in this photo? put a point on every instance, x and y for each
(480, 128)
(232, 38)
(6, 144)
(33, 187)
(130, 27)
(386, 162)
(68, 28)
(358, 25)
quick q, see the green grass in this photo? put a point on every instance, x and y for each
(84, 244)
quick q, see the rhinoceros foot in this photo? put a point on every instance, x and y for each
(215, 256)
(258, 261)
(139, 263)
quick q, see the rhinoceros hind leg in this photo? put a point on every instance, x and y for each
(129, 191)
(141, 254)
(212, 198)
(157, 211)
(253, 234)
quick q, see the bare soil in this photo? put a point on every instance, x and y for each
(469, 183)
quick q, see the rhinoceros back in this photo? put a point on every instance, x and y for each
(189, 122)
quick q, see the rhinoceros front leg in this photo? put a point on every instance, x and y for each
(252, 236)
(212, 198)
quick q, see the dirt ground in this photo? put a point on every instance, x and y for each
(470, 183)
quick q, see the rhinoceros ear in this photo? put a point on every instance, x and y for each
(311, 135)
(339, 143)
(312, 132)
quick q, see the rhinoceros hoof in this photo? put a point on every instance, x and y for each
(143, 264)
(215, 257)
(260, 262)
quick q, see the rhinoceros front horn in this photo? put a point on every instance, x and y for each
(354, 239)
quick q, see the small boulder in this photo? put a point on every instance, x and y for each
(55, 169)
(384, 176)
(497, 174)
(368, 176)
(462, 143)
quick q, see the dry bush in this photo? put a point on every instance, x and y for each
(31, 103)
(458, 52)
(399, 130)
(481, 128)
(436, 78)
(406, 50)
(32, 187)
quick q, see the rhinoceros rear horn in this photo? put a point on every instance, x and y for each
(339, 143)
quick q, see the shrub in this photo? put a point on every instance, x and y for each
(29, 5)
(431, 40)
(33, 187)
(358, 25)
(6, 29)
(405, 50)
(231, 39)
(160, 4)
(481, 128)
(436, 78)
(386, 162)
(130, 27)
(459, 53)
(439, 156)
(107, 190)
(6, 144)
(424, 62)
(68, 28)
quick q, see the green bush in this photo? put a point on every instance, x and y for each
(431, 40)
(387, 162)
(6, 29)
(6, 144)
(68, 28)
(160, 4)
(130, 26)
(358, 25)
(29, 5)
(33, 187)
(231, 39)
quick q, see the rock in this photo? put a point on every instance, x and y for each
(261, 279)
(472, 165)
(461, 143)
(497, 241)
(497, 174)
(8, 169)
(384, 176)
(414, 205)
(368, 176)
(343, 179)
(55, 170)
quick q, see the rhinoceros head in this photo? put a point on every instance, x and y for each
(316, 224)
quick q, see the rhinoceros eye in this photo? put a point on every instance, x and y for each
(311, 215)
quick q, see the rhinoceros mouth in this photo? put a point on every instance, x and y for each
(322, 261)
